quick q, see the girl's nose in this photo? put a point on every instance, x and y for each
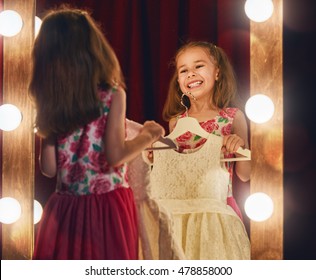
(191, 74)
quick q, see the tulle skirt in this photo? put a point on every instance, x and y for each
(91, 227)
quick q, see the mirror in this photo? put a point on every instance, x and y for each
(146, 37)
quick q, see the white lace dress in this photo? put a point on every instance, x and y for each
(182, 208)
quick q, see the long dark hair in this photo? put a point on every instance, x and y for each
(71, 60)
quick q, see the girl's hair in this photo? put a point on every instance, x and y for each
(72, 60)
(224, 90)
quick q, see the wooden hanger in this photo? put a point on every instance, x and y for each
(169, 144)
(183, 125)
(187, 124)
(245, 153)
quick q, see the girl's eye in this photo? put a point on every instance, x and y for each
(183, 71)
(199, 66)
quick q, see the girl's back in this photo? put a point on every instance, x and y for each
(82, 166)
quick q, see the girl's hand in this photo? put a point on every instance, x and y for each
(153, 129)
(148, 156)
(231, 143)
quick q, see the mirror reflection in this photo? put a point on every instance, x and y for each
(146, 39)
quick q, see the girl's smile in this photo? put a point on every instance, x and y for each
(196, 72)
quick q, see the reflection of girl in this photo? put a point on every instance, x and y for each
(79, 95)
(204, 72)
(192, 188)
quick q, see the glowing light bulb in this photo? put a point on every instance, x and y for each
(38, 211)
(259, 207)
(10, 210)
(11, 23)
(38, 23)
(259, 108)
(259, 10)
(10, 117)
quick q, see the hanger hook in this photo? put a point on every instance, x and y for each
(189, 93)
(182, 103)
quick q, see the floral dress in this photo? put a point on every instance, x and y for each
(221, 125)
(92, 213)
(82, 165)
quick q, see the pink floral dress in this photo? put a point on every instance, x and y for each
(221, 125)
(92, 214)
(81, 160)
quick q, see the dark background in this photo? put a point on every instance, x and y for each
(145, 35)
(299, 47)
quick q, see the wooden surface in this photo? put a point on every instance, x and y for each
(18, 145)
(267, 139)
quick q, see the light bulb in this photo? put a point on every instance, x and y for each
(38, 211)
(259, 108)
(10, 210)
(38, 23)
(11, 23)
(259, 207)
(10, 117)
(259, 10)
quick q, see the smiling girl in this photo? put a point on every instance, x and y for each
(205, 76)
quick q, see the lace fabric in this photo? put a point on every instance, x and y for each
(192, 189)
(182, 207)
(188, 170)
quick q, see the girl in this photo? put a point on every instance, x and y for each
(204, 73)
(78, 90)
(191, 187)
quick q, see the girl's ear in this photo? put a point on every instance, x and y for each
(217, 75)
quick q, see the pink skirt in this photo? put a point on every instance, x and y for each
(90, 227)
(233, 204)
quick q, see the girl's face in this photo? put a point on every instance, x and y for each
(196, 72)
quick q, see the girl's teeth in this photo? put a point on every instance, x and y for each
(194, 84)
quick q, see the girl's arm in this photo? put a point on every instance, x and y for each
(239, 138)
(117, 149)
(47, 158)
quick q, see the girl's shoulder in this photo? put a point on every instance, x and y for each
(106, 95)
(181, 115)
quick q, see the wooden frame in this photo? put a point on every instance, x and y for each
(266, 49)
(18, 145)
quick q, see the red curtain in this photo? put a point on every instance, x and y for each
(146, 33)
